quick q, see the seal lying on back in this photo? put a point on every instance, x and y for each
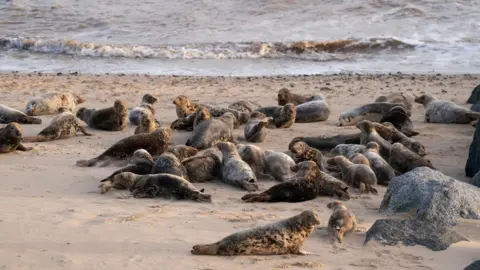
(398, 116)
(110, 119)
(11, 139)
(304, 187)
(372, 112)
(171, 161)
(9, 115)
(234, 170)
(211, 131)
(403, 160)
(50, 103)
(341, 221)
(400, 98)
(447, 112)
(255, 128)
(146, 106)
(63, 125)
(161, 185)
(155, 143)
(282, 237)
(140, 163)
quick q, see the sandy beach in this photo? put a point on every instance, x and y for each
(55, 217)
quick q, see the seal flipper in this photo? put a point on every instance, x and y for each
(262, 197)
(22, 147)
(87, 163)
(210, 249)
(39, 138)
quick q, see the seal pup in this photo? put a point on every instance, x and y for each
(286, 96)
(403, 160)
(372, 112)
(211, 131)
(342, 220)
(446, 112)
(146, 124)
(410, 143)
(383, 171)
(400, 98)
(278, 165)
(242, 106)
(154, 143)
(359, 159)
(161, 185)
(171, 161)
(255, 128)
(110, 119)
(50, 103)
(370, 134)
(398, 116)
(140, 163)
(254, 156)
(11, 139)
(204, 166)
(234, 170)
(285, 119)
(9, 115)
(63, 125)
(312, 111)
(146, 106)
(357, 175)
(303, 152)
(279, 238)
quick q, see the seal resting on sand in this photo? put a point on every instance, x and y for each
(63, 125)
(303, 152)
(11, 139)
(171, 160)
(446, 112)
(400, 119)
(110, 119)
(204, 166)
(278, 165)
(211, 131)
(286, 96)
(410, 143)
(50, 103)
(155, 143)
(146, 106)
(357, 175)
(342, 220)
(370, 134)
(234, 170)
(242, 106)
(400, 98)
(285, 118)
(9, 115)
(403, 160)
(312, 111)
(146, 123)
(255, 128)
(239, 117)
(161, 185)
(372, 112)
(282, 237)
(383, 171)
(185, 107)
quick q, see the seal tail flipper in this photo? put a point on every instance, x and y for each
(202, 197)
(473, 115)
(87, 163)
(32, 120)
(372, 189)
(38, 138)
(210, 249)
(105, 186)
(84, 131)
(262, 197)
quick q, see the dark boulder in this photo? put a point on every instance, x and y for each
(475, 96)
(473, 161)
(473, 266)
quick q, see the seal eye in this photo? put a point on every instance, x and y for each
(251, 180)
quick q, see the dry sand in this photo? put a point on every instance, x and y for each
(53, 215)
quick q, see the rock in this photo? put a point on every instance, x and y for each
(473, 266)
(412, 232)
(476, 180)
(475, 96)
(432, 197)
(473, 161)
(475, 107)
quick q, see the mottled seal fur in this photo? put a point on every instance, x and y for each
(286, 96)
(278, 165)
(254, 156)
(50, 103)
(383, 171)
(63, 125)
(400, 98)
(9, 115)
(400, 119)
(346, 150)
(282, 237)
(184, 106)
(146, 124)
(342, 220)
(359, 159)
(211, 131)
(410, 143)
(372, 112)
(161, 185)
(171, 161)
(11, 139)
(370, 134)
(255, 128)
(110, 119)
(446, 112)
(234, 170)
(240, 117)
(285, 119)
(312, 111)
(327, 143)
(155, 143)
(145, 107)
(140, 163)
(403, 160)
(204, 166)
(303, 152)
(357, 175)
(242, 106)
(191, 121)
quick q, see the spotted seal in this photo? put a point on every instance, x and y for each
(240, 118)
(146, 124)
(204, 166)
(410, 143)
(403, 160)
(161, 185)
(446, 112)
(255, 128)
(171, 160)
(372, 112)
(211, 131)
(11, 139)
(155, 143)
(50, 103)
(357, 175)
(242, 106)
(400, 98)
(9, 115)
(282, 237)
(145, 107)
(303, 152)
(110, 119)
(234, 170)
(342, 220)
